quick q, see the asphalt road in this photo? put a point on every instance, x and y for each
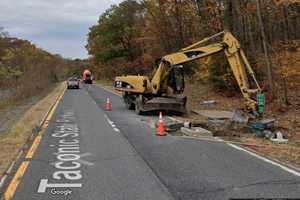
(91, 154)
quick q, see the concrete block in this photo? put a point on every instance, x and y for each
(279, 139)
(196, 131)
(215, 114)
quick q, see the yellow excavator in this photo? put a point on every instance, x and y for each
(164, 90)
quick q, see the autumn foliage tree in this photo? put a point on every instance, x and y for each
(25, 70)
(114, 41)
(130, 36)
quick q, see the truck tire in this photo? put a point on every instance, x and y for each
(128, 102)
(138, 104)
(130, 106)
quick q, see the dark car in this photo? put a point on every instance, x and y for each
(73, 83)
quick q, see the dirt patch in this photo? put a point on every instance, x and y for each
(21, 129)
(199, 92)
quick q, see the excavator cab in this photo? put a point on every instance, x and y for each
(176, 79)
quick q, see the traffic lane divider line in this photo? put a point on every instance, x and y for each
(13, 185)
(111, 123)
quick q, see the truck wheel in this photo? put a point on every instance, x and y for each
(138, 109)
(128, 102)
(129, 105)
(138, 103)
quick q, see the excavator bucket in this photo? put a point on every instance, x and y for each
(175, 104)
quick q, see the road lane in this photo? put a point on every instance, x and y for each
(193, 169)
(82, 157)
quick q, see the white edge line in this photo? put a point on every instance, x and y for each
(266, 160)
(232, 145)
(3, 180)
(285, 168)
(12, 165)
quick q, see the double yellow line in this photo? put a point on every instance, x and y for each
(12, 187)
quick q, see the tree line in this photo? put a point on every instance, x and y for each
(130, 36)
(25, 70)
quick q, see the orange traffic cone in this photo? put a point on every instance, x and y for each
(161, 131)
(108, 104)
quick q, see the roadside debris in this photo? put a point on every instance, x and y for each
(196, 131)
(217, 121)
(240, 117)
(214, 114)
(279, 139)
(225, 124)
(175, 126)
(208, 103)
(263, 128)
(269, 134)
(262, 124)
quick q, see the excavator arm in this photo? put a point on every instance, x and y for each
(241, 70)
(235, 55)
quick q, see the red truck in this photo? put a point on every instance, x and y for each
(87, 77)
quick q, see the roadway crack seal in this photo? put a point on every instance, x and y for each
(10, 181)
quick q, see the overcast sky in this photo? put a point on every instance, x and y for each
(58, 26)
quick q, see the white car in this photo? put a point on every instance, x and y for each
(73, 83)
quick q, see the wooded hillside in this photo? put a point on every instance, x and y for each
(130, 36)
(25, 70)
